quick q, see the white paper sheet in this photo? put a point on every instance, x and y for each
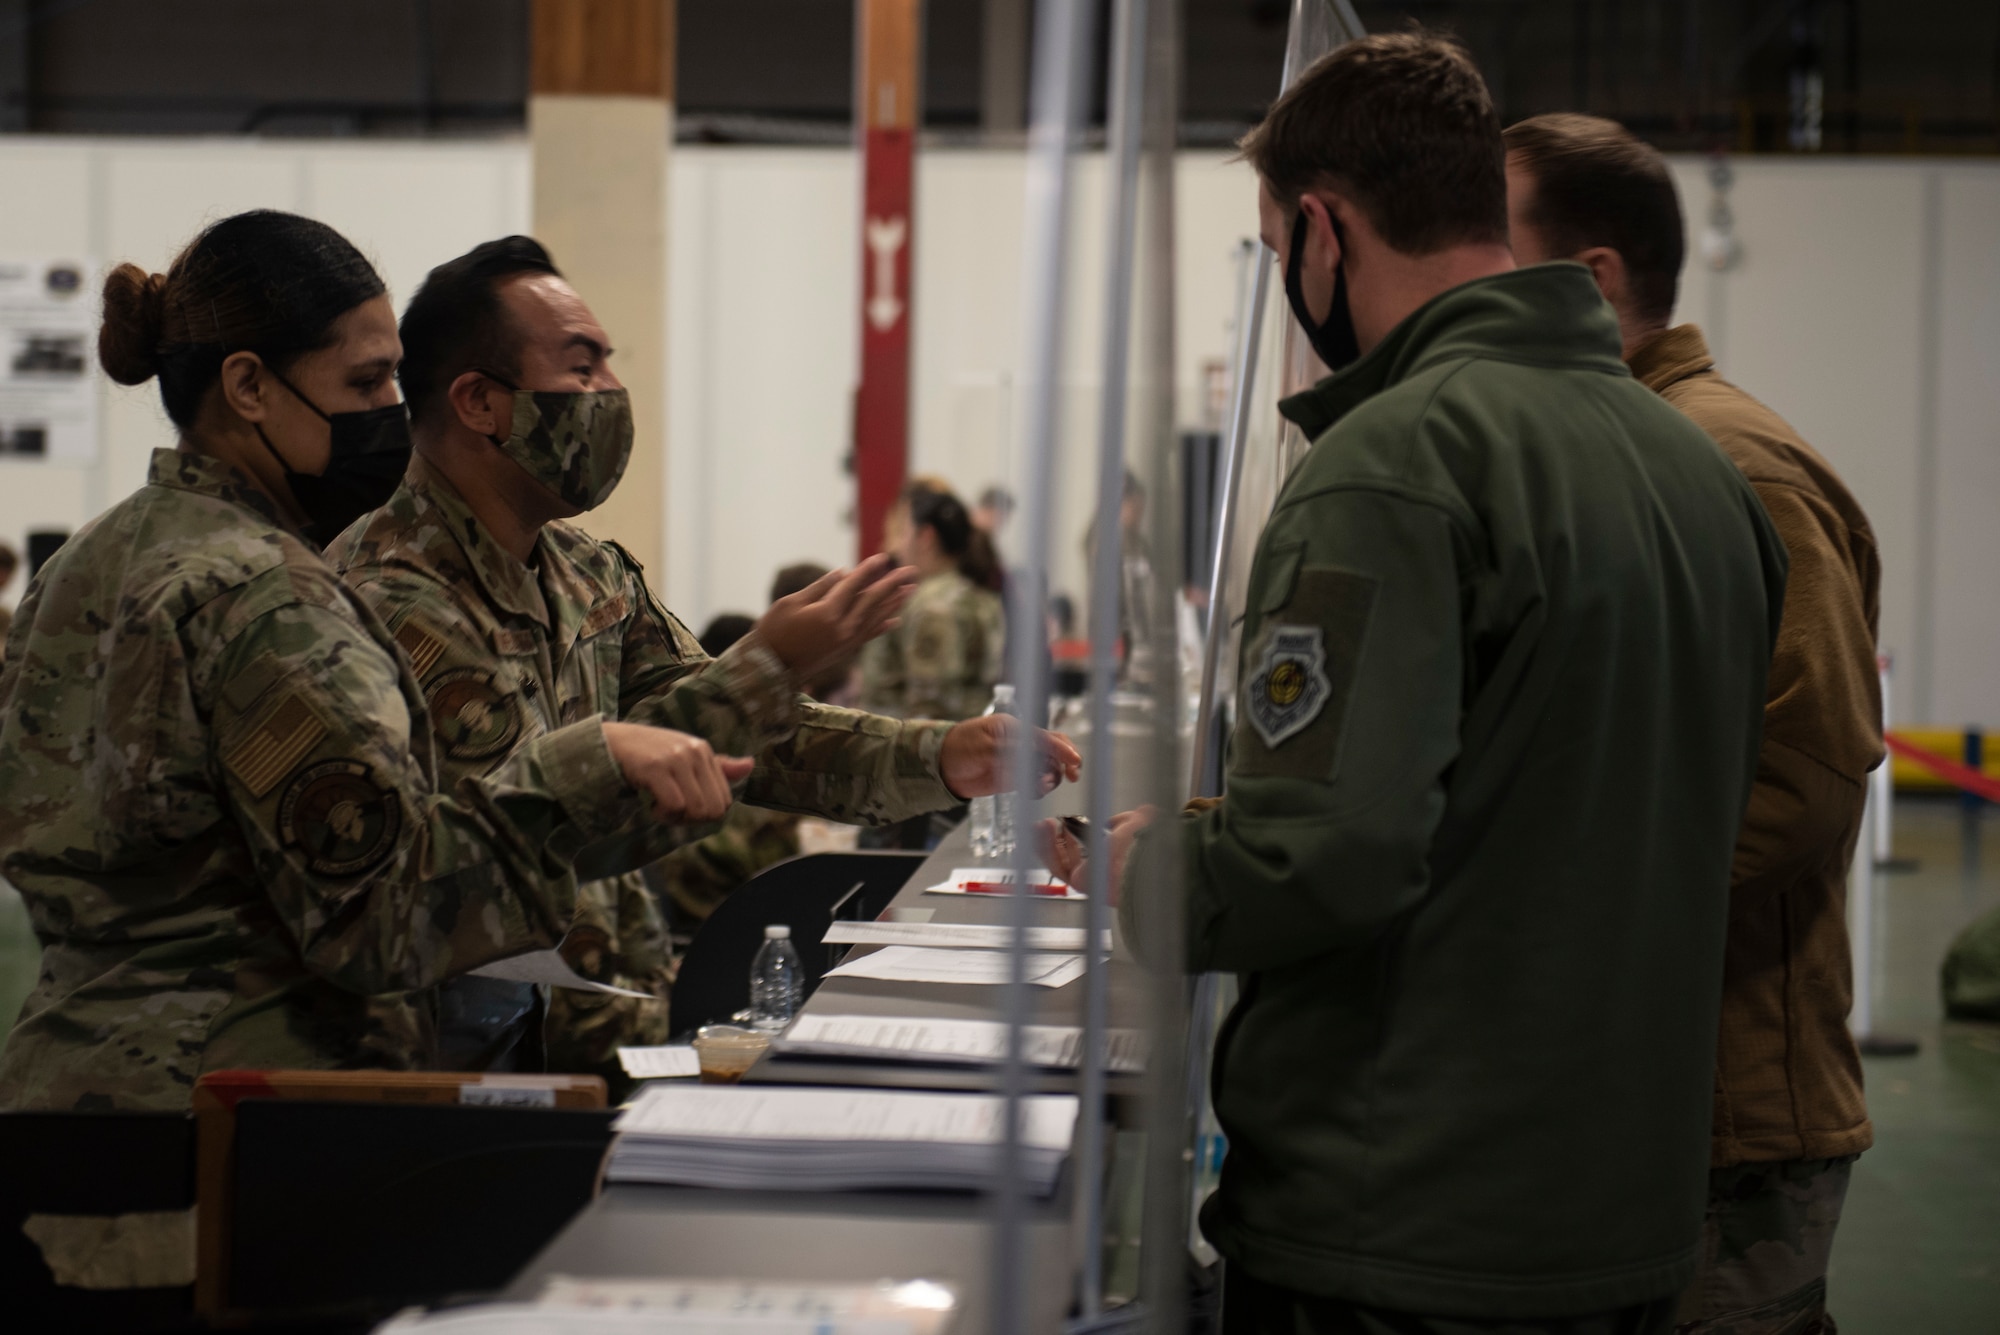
(666, 1063)
(959, 935)
(926, 964)
(580, 1306)
(780, 1113)
(956, 1040)
(551, 969)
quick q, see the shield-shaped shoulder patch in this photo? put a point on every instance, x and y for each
(1287, 686)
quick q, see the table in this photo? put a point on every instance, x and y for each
(955, 1001)
(634, 1229)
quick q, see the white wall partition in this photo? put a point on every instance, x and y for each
(1865, 308)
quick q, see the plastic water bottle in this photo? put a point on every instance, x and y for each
(775, 980)
(992, 818)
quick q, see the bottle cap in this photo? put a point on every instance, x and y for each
(777, 931)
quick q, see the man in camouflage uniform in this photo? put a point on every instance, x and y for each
(517, 623)
(696, 877)
(944, 658)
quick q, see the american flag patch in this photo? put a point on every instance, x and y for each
(423, 647)
(287, 735)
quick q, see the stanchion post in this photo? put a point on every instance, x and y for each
(1861, 924)
(1883, 781)
(1975, 760)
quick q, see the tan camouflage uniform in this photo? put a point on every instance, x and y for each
(506, 652)
(221, 805)
(942, 661)
(700, 875)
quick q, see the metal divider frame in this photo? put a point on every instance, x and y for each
(1127, 112)
(1063, 33)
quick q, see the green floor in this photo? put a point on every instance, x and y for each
(1919, 1246)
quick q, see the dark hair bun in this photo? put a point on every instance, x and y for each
(135, 317)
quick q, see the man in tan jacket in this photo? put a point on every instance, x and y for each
(1789, 1115)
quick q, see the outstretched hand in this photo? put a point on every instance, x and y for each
(688, 782)
(829, 620)
(977, 753)
(1067, 857)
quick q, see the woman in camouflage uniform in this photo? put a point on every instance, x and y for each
(217, 787)
(942, 661)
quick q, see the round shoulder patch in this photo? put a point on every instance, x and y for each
(340, 818)
(474, 718)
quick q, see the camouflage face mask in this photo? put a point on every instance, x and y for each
(574, 442)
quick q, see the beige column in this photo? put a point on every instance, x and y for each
(600, 125)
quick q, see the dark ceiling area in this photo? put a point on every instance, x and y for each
(1753, 75)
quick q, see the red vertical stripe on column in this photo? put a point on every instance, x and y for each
(882, 400)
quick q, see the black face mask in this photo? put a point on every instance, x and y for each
(1333, 338)
(371, 451)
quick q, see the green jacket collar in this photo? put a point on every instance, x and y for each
(1550, 314)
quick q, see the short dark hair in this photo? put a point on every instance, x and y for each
(1598, 184)
(1402, 124)
(265, 282)
(723, 630)
(455, 323)
(796, 578)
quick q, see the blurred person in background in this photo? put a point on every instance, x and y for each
(723, 630)
(1789, 1113)
(995, 508)
(982, 564)
(1500, 691)
(1136, 589)
(517, 621)
(698, 876)
(942, 661)
(232, 852)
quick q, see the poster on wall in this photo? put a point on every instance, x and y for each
(48, 356)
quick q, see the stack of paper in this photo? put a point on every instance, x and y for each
(786, 1139)
(978, 1041)
(571, 1306)
(959, 935)
(930, 964)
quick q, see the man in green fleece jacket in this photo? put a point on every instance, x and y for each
(1501, 685)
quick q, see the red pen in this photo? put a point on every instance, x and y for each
(1057, 888)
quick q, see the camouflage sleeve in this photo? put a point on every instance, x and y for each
(386, 884)
(618, 937)
(847, 765)
(837, 763)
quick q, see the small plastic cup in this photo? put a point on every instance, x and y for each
(726, 1051)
